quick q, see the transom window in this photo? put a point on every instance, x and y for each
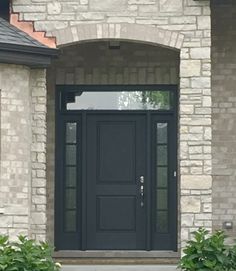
(117, 99)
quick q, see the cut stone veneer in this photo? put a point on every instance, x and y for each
(178, 25)
(15, 194)
(23, 138)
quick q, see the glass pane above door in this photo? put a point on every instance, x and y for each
(117, 100)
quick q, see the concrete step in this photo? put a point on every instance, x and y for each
(119, 268)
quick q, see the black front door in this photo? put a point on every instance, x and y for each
(116, 185)
(116, 160)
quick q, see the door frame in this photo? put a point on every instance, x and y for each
(73, 115)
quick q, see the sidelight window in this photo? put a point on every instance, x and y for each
(162, 178)
(70, 184)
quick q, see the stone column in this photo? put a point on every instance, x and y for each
(38, 154)
(195, 131)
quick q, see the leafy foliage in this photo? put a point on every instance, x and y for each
(208, 253)
(26, 255)
(159, 99)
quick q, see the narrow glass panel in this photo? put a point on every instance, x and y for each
(162, 177)
(161, 133)
(70, 176)
(162, 199)
(70, 198)
(70, 154)
(162, 221)
(70, 221)
(162, 155)
(71, 132)
(117, 100)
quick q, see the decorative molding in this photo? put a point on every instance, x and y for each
(28, 27)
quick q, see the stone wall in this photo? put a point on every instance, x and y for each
(224, 113)
(15, 150)
(178, 15)
(179, 24)
(22, 182)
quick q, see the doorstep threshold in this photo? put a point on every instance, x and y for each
(115, 254)
(116, 257)
(120, 268)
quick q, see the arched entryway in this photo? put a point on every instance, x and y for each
(121, 59)
(115, 184)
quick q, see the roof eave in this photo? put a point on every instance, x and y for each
(32, 56)
(29, 49)
(27, 59)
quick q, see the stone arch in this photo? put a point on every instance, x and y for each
(124, 31)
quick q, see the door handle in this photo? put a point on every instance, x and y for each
(142, 190)
(142, 179)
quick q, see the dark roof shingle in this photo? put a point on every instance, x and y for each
(9, 34)
(17, 47)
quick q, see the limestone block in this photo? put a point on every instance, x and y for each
(21, 219)
(39, 199)
(84, 2)
(171, 5)
(200, 53)
(186, 109)
(54, 7)
(16, 210)
(190, 204)
(207, 207)
(201, 82)
(203, 22)
(206, 101)
(29, 8)
(6, 221)
(187, 220)
(107, 5)
(38, 218)
(190, 68)
(196, 182)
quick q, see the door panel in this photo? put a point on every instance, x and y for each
(116, 152)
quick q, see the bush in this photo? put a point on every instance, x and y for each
(208, 253)
(26, 255)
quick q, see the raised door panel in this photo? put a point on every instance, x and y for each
(115, 159)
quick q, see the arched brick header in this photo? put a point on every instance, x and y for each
(124, 31)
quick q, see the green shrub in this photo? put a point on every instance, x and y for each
(26, 255)
(208, 253)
